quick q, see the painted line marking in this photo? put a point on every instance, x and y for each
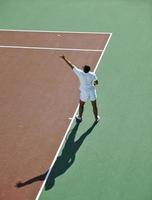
(47, 31)
(66, 133)
(70, 118)
(103, 52)
(49, 48)
(59, 149)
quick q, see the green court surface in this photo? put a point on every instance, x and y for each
(113, 160)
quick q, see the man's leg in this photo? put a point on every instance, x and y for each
(81, 108)
(95, 109)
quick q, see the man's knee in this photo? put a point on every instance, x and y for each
(94, 104)
(82, 103)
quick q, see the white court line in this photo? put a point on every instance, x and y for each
(103, 52)
(57, 153)
(66, 133)
(48, 48)
(44, 31)
(70, 118)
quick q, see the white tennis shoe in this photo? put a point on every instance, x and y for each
(98, 119)
(79, 119)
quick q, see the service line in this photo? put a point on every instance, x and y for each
(49, 48)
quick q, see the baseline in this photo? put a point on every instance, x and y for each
(58, 31)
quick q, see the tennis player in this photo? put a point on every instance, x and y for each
(88, 81)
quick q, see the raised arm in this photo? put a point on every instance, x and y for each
(67, 61)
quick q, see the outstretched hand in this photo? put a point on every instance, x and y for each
(63, 57)
(67, 61)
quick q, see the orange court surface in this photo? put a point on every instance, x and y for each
(39, 94)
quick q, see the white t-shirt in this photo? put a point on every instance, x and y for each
(86, 79)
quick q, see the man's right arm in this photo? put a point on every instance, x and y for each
(96, 82)
(67, 61)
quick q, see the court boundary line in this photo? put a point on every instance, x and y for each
(103, 52)
(68, 129)
(47, 31)
(48, 48)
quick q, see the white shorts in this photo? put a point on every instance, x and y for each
(89, 95)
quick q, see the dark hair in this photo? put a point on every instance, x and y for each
(86, 68)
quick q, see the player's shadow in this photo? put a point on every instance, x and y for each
(64, 161)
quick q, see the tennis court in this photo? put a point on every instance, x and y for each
(44, 153)
(33, 108)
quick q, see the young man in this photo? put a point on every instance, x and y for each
(88, 81)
